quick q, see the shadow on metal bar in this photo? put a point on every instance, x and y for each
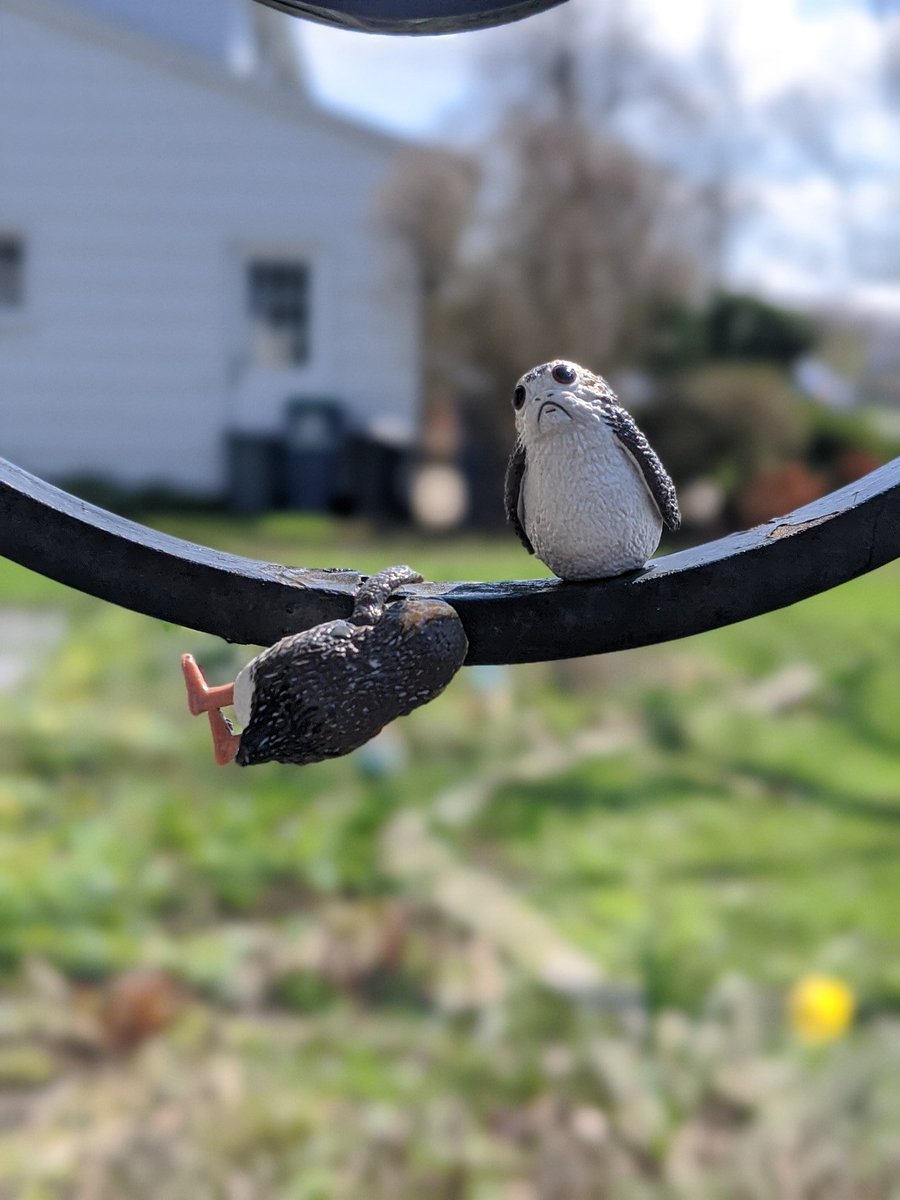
(831, 541)
(412, 16)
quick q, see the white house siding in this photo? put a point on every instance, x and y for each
(137, 186)
(215, 29)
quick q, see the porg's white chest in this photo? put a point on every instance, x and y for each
(244, 687)
(587, 510)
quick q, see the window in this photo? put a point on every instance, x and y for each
(12, 273)
(278, 303)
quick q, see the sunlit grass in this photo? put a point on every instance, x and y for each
(741, 839)
(741, 819)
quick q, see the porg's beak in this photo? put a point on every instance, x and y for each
(551, 412)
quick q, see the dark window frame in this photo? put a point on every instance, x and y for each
(277, 295)
(12, 272)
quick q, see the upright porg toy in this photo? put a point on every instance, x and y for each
(323, 692)
(584, 490)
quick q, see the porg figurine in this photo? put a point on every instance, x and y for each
(584, 491)
(324, 692)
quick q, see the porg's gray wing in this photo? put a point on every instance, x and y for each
(662, 489)
(513, 493)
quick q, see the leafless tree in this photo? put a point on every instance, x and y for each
(428, 204)
(581, 231)
(612, 180)
(428, 207)
(583, 240)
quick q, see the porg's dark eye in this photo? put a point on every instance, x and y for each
(518, 397)
(563, 373)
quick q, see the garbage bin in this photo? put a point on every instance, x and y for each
(314, 439)
(253, 471)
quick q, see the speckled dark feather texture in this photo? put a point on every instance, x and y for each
(324, 692)
(623, 425)
(662, 489)
(515, 471)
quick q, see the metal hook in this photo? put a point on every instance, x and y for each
(412, 16)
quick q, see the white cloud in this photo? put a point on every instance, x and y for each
(413, 83)
(777, 47)
(408, 85)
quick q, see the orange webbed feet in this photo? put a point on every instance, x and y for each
(202, 697)
(225, 740)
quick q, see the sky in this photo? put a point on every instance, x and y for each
(422, 88)
(413, 85)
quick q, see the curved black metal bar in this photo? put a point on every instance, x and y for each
(837, 538)
(412, 16)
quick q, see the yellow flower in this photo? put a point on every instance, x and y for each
(820, 1008)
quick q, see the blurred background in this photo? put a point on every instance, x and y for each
(614, 927)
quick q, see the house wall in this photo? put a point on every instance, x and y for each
(215, 29)
(138, 185)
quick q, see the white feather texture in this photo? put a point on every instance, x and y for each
(244, 687)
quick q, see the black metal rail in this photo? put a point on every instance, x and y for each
(815, 548)
(412, 16)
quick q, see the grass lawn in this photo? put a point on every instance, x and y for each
(741, 818)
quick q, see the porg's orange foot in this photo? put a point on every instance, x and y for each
(202, 697)
(225, 740)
